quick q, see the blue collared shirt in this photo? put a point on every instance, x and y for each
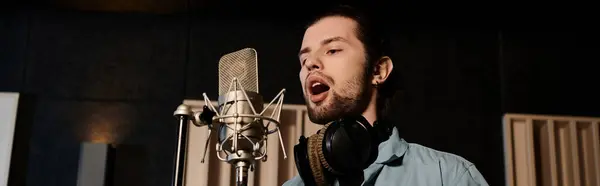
(419, 166)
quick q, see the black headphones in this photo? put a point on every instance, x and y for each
(341, 149)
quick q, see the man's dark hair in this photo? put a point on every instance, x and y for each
(373, 37)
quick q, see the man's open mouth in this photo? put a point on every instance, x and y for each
(317, 88)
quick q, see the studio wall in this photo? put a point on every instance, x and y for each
(116, 77)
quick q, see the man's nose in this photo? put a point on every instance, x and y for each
(313, 64)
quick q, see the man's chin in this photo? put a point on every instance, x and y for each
(320, 115)
(319, 120)
(321, 112)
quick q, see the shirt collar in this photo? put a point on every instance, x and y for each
(391, 149)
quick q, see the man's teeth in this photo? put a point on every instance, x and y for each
(315, 84)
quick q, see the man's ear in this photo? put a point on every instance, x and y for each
(383, 69)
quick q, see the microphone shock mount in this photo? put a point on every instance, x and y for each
(241, 131)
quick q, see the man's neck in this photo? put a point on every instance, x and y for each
(370, 112)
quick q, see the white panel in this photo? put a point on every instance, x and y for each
(92, 164)
(8, 115)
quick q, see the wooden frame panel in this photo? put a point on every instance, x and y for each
(567, 147)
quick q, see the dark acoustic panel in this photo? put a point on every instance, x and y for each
(144, 130)
(130, 6)
(130, 163)
(13, 43)
(277, 47)
(106, 55)
(451, 94)
(551, 72)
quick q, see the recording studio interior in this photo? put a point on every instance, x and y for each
(210, 93)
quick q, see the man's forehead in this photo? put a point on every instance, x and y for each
(329, 27)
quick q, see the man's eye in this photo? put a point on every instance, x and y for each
(333, 51)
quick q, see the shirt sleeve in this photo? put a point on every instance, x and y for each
(471, 177)
(295, 181)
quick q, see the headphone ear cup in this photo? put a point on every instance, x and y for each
(341, 148)
(347, 145)
(302, 161)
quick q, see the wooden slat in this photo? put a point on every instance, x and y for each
(196, 138)
(310, 128)
(509, 151)
(546, 153)
(552, 149)
(268, 170)
(573, 144)
(252, 177)
(522, 150)
(298, 131)
(596, 143)
(566, 172)
(225, 174)
(530, 152)
(586, 153)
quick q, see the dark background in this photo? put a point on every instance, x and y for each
(113, 71)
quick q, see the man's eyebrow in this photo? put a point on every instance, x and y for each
(329, 40)
(324, 42)
(304, 50)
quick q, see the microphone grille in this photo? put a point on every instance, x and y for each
(241, 64)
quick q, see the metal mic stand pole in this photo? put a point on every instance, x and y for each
(241, 173)
(183, 113)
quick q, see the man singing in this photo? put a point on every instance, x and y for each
(345, 71)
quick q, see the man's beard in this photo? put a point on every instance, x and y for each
(353, 103)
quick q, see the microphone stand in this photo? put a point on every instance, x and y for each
(242, 156)
(183, 113)
(241, 173)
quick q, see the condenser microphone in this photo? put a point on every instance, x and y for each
(240, 118)
(240, 136)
